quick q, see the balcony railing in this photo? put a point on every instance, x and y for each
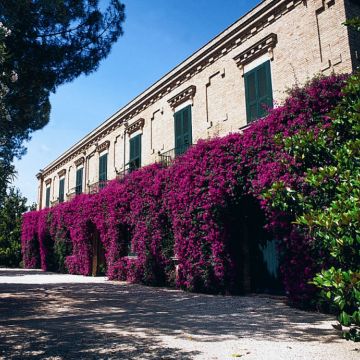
(129, 167)
(168, 157)
(96, 187)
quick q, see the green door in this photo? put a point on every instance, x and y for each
(47, 197)
(258, 92)
(183, 130)
(61, 190)
(135, 152)
(103, 170)
(79, 181)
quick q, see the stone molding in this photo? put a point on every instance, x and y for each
(203, 58)
(180, 98)
(135, 126)
(263, 46)
(47, 182)
(62, 172)
(79, 161)
(103, 146)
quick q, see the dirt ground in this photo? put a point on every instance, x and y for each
(52, 316)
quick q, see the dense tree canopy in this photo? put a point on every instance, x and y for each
(51, 42)
(14, 205)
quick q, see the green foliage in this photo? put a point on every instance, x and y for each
(342, 289)
(353, 23)
(62, 249)
(11, 211)
(327, 204)
(47, 44)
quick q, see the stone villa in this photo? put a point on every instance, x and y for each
(221, 88)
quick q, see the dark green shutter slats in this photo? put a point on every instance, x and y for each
(135, 152)
(47, 197)
(79, 181)
(258, 92)
(61, 190)
(183, 130)
(103, 167)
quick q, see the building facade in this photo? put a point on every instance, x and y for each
(223, 87)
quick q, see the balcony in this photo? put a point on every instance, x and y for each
(168, 157)
(129, 167)
(96, 187)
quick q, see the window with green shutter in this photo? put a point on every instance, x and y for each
(183, 130)
(79, 181)
(47, 197)
(258, 92)
(61, 190)
(135, 152)
(103, 170)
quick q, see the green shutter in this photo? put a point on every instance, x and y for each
(183, 130)
(61, 190)
(79, 181)
(103, 167)
(258, 91)
(47, 197)
(135, 152)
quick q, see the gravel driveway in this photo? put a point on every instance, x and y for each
(52, 316)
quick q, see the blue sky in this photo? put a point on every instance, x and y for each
(158, 35)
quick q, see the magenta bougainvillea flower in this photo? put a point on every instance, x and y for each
(161, 213)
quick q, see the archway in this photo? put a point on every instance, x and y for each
(98, 262)
(252, 249)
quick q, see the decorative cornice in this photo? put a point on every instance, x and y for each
(135, 126)
(79, 161)
(47, 182)
(180, 98)
(103, 146)
(39, 175)
(265, 45)
(62, 172)
(246, 29)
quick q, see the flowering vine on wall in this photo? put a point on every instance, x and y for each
(161, 213)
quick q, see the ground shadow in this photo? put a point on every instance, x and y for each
(116, 320)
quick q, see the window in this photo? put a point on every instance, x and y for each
(102, 170)
(183, 130)
(258, 92)
(47, 197)
(135, 152)
(61, 190)
(79, 181)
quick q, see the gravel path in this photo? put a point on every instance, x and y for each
(52, 316)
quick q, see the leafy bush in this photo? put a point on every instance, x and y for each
(326, 204)
(11, 211)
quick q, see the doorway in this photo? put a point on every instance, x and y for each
(98, 263)
(253, 250)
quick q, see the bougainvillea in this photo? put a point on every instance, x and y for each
(178, 213)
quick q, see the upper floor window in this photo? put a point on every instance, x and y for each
(103, 170)
(47, 197)
(258, 91)
(183, 130)
(135, 152)
(61, 190)
(79, 181)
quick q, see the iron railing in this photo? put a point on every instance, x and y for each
(167, 157)
(129, 167)
(96, 187)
